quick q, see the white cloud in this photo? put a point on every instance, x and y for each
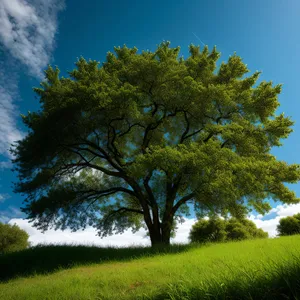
(267, 225)
(280, 211)
(88, 236)
(8, 113)
(3, 197)
(5, 164)
(3, 218)
(27, 31)
(183, 231)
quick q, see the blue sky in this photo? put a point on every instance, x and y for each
(34, 33)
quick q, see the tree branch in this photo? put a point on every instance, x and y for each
(194, 133)
(106, 155)
(110, 190)
(124, 209)
(86, 164)
(182, 201)
(153, 126)
(130, 126)
(208, 137)
(186, 130)
(148, 188)
(224, 143)
(129, 210)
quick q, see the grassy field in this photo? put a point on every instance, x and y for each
(257, 269)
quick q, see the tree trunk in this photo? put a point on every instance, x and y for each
(160, 237)
(166, 235)
(156, 238)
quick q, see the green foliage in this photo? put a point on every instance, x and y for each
(217, 230)
(289, 225)
(212, 230)
(152, 131)
(12, 238)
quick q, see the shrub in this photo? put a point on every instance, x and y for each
(208, 230)
(12, 238)
(216, 230)
(289, 225)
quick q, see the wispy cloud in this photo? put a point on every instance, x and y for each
(3, 197)
(27, 36)
(4, 218)
(10, 213)
(27, 30)
(5, 165)
(9, 133)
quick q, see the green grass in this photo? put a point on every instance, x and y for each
(45, 259)
(257, 269)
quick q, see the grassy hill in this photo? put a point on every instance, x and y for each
(254, 269)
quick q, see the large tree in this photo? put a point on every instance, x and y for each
(130, 142)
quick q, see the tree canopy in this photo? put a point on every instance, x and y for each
(216, 229)
(289, 225)
(12, 238)
(132, 141)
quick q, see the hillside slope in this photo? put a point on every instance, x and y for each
(253, 269)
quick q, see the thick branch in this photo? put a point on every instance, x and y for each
(129, 128)
(186, 130)
(209, 137)
(194, 133)
(129, 210)
(154, 206)
(90, 151)
(224, 143)
(182, 201)
(153, 126)
(171, 191)
(96, 167)
(148, 188)
(93, 192)
(115, 151)
(121, 174)
(106, 155)
(122, 209)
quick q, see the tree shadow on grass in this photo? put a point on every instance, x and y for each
(282, 282)
(43, 259)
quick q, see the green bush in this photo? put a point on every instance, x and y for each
(212, 230)
(12, 238)
(217, 230)
(289, 225)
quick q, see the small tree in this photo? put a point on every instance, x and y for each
(212, 230)
(12, 238)
(289, 225)
(216, 230)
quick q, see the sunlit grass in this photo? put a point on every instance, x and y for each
(257, 269)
